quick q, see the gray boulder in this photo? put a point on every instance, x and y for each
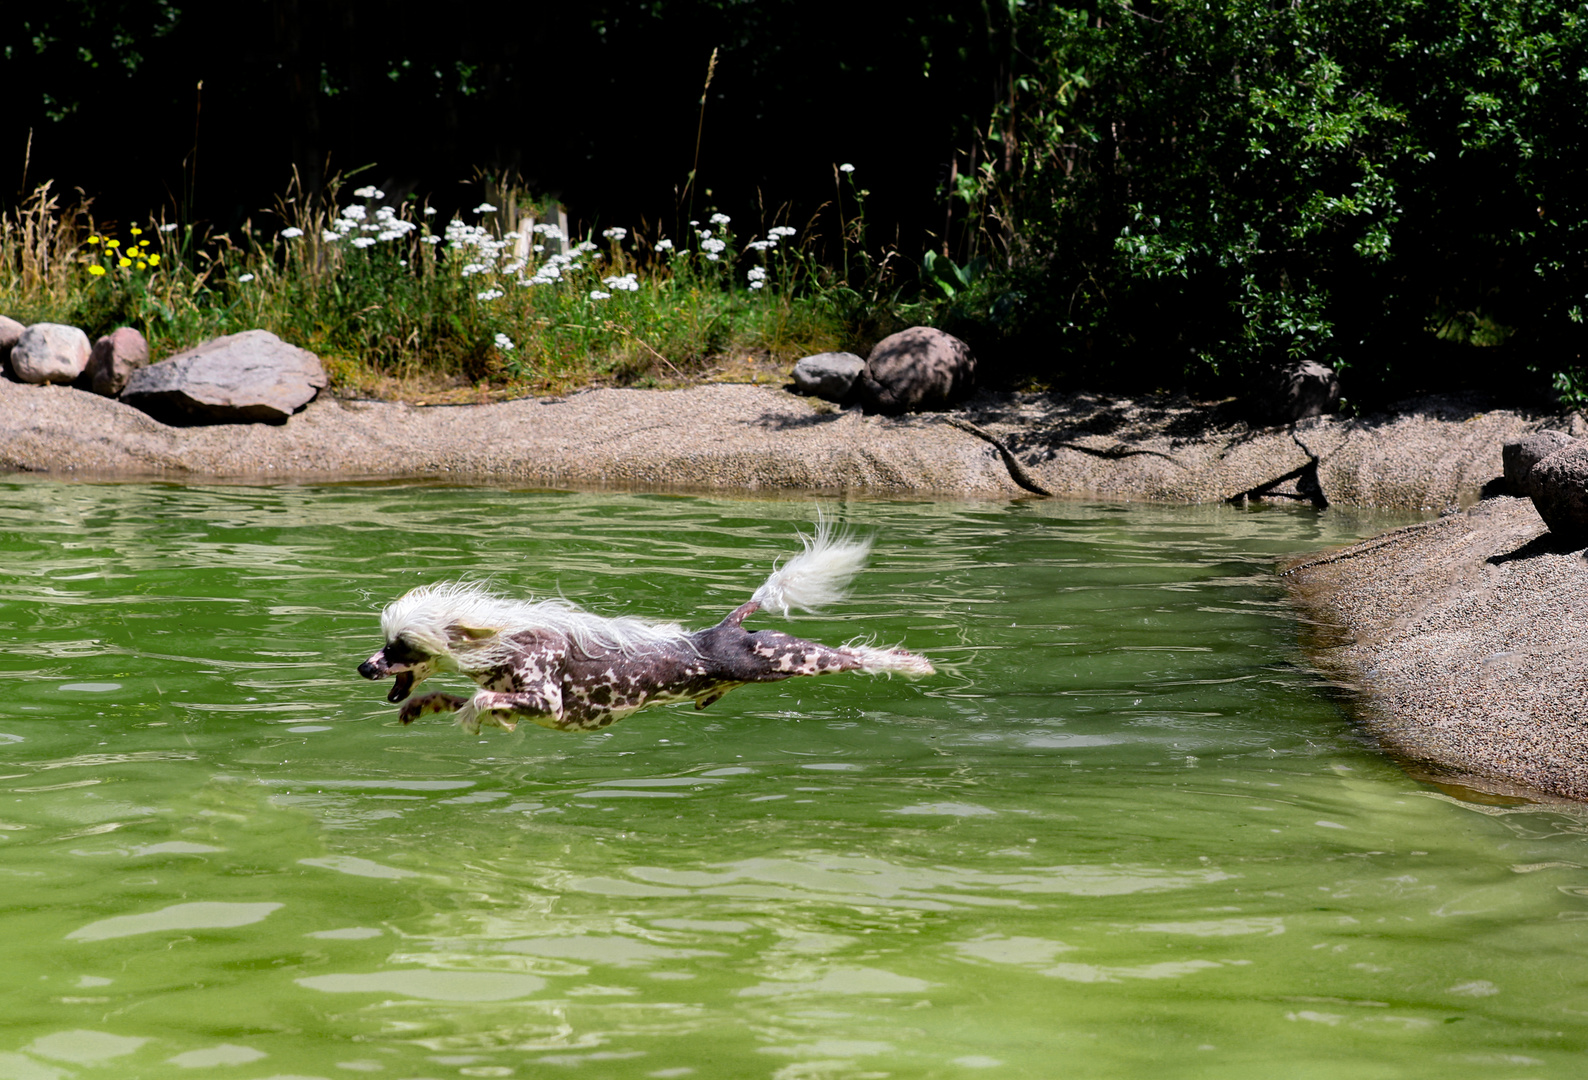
(115, 357)
(1520, 456)
(50, 353)
(10, 334)
(918, 368)
(827, 375)
(1292, 392)
(1560, 492)
(252, 377)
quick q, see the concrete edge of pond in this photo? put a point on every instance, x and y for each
(1430, 454)
(1463, 639)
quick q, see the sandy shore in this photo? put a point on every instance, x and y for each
(1465, 637)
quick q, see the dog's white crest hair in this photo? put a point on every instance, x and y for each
(465, 622)
(817, 576)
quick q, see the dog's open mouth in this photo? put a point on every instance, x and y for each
(402, 687)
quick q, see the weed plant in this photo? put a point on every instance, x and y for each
(380, 289)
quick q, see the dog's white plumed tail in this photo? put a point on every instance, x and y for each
(875, 661)
(817, 576)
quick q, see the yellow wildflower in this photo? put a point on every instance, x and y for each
(135, 231)
(143, 266)
(93, 239)
(124, 261)
(113, 243)
(154, 260)
(96, 270)
(141, 243)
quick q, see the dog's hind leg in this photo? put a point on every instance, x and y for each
(542, 706)
(427, 704)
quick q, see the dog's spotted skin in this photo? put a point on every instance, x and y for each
(558, 686)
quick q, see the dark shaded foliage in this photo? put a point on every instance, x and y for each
(1394, 187)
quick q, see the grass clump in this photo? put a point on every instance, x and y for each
(392, 298)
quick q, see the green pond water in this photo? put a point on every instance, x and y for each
(1123, 833)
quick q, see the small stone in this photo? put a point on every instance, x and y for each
(1520, 456)
(918, 368)
(50, 353)
(828, 375)
(114, 358)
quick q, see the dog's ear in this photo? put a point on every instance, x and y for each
(459, 631)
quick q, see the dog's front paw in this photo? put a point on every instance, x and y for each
(427, 704)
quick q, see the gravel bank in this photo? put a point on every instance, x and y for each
(1428, 456)
(1467, 641)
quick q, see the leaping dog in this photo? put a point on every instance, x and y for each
(548, 662)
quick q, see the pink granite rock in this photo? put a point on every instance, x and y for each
(918, 368)
(114, 358)
(50, 353)
(252, 377)
(10, 333)
(1559, 487)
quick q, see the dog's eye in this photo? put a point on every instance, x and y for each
(400, 652)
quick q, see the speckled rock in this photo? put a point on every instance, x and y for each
(1296, 392)
(115, 357)
(10, 333)
(50, 353)
(915, 369)
(828, 375)
(252, 377)
(1559, 486)
(1519, 457)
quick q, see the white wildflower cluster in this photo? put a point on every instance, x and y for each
(720, 219)
(504, 343)
(291, 233)
(664, 244)
(553, 269)
(615, 233)
(846, 168)
(713, 246)
(245, 279)
(627, 283)
(388, 226)
(476, 244)
(489, 294)
(369, 191)
(597, 294)
(169, 226)
(356, 222)
(757, 276)
(773, 235)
